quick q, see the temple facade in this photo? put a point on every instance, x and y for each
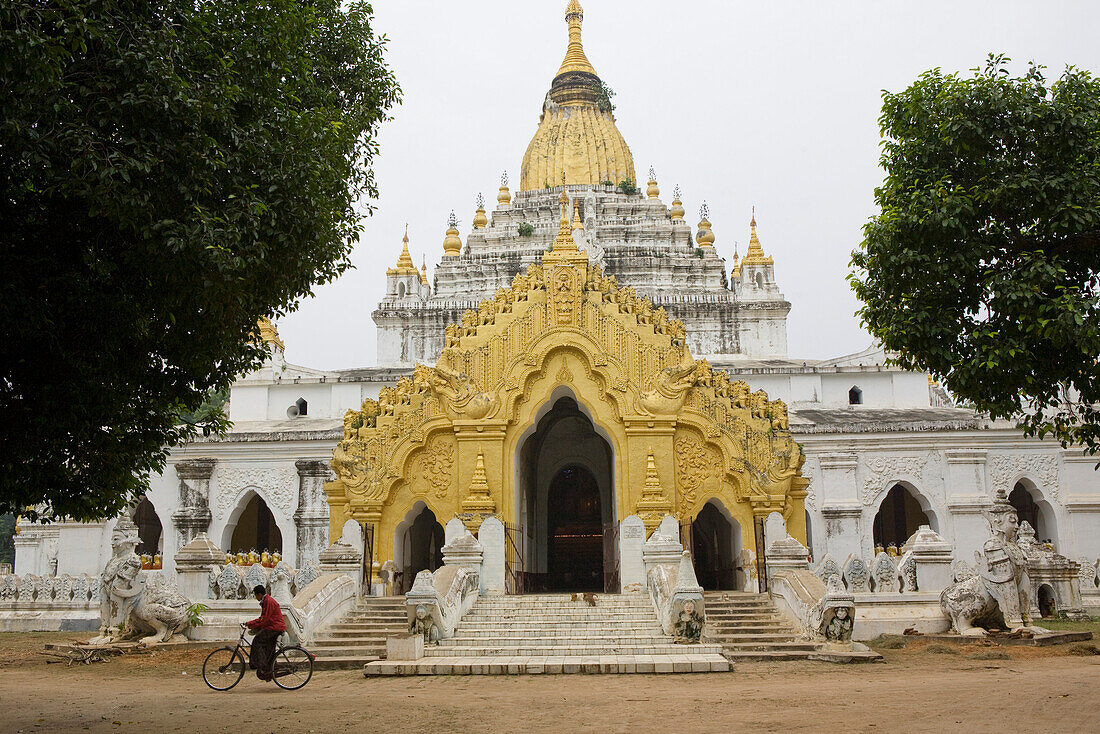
(586, 355)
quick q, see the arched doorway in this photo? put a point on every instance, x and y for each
(899, 516)
(150, 531)
(575, 532)
(1037, 513)
(1046, 601)
(419, 546)
(715, 546)
(256, 529)
(566, 503)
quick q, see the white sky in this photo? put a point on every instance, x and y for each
(741, 103)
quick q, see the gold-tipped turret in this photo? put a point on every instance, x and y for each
(504, 196)
(652, 191)
(424, 271)
(577, 132)
(755, 255)
(704, 237)
(480, 220)
(268, 334)
(564, 240)
(452, 245)
(677, 209)
(405, 264)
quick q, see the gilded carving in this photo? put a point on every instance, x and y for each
(437, 466)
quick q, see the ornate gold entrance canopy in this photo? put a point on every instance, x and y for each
(681, 432)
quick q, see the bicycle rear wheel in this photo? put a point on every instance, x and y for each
(293, 668)
(223, 668)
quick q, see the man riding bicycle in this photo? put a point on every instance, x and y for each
(268, 626)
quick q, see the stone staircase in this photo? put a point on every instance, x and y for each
(360, 637)
(749, 627)
(551, 633)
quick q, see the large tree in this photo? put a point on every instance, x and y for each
(170, 172)
(982, 266)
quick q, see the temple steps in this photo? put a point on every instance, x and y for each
(360, 637)
(553, 633)
(749, 627)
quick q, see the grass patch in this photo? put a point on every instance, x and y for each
(990, 655)
(1092, 625)
(1083, 648)
(887, 642)
(940, 648)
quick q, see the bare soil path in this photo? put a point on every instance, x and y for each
(972, 689)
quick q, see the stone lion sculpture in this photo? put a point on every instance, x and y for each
(134, 605)
(997, 595)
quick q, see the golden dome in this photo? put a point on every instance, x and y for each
(677, 210)
(480, 220)
(704, 237)
(576, 132)
(452, 245)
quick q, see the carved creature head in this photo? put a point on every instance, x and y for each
(421, 612)
(125, 536)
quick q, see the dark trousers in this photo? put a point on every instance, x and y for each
(262, 653)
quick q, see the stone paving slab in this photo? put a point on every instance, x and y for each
(551, 665)
(1043, 639)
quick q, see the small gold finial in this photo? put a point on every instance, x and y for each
(652, 191)
(677, 209)
(576, 219)
(504, 196)
(480, 220)
(704, 237)
(564, 240)
(424, 271)
(452, 245)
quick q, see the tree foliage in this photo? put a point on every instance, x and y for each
(982, 266)
(170, 171)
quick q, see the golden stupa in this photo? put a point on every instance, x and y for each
(577, 132)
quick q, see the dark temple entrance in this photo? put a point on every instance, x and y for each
(575, 539)
(565, 535)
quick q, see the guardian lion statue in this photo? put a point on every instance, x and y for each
(997, 596)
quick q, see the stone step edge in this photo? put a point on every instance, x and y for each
(568, 665)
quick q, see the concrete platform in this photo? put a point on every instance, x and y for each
(605, 664)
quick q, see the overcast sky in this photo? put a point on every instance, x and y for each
(772, 104)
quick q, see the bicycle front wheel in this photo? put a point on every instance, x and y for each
(223, 668)
(293, 668)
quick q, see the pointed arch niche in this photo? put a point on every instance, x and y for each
(252, 526)
(1032, 506)
(902, 511)
(418, 545)
(716, 547)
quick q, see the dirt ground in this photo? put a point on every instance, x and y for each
(919, 688)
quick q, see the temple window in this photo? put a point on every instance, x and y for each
(855, 396)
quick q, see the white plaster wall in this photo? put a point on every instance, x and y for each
(281, 396)
(248, 403)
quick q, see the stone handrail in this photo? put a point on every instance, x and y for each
(817, 610)
(323, 601)
(438, 601)
(670, 579)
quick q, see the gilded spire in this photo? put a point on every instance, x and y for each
(452, 245)
(677, 210)
(575, 60)
(704, 237)
(268, 334)
(564, 240)
(480, 220)
(478, 501)
(424, 271)
(405, 264)
(653, 504)
(652, 191)
(504, 196)
(756, 252)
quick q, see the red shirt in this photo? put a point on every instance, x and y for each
(271, 616)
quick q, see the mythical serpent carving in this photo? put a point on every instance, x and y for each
(462, 395)
(669, 388)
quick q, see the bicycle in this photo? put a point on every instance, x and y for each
(292, 666)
